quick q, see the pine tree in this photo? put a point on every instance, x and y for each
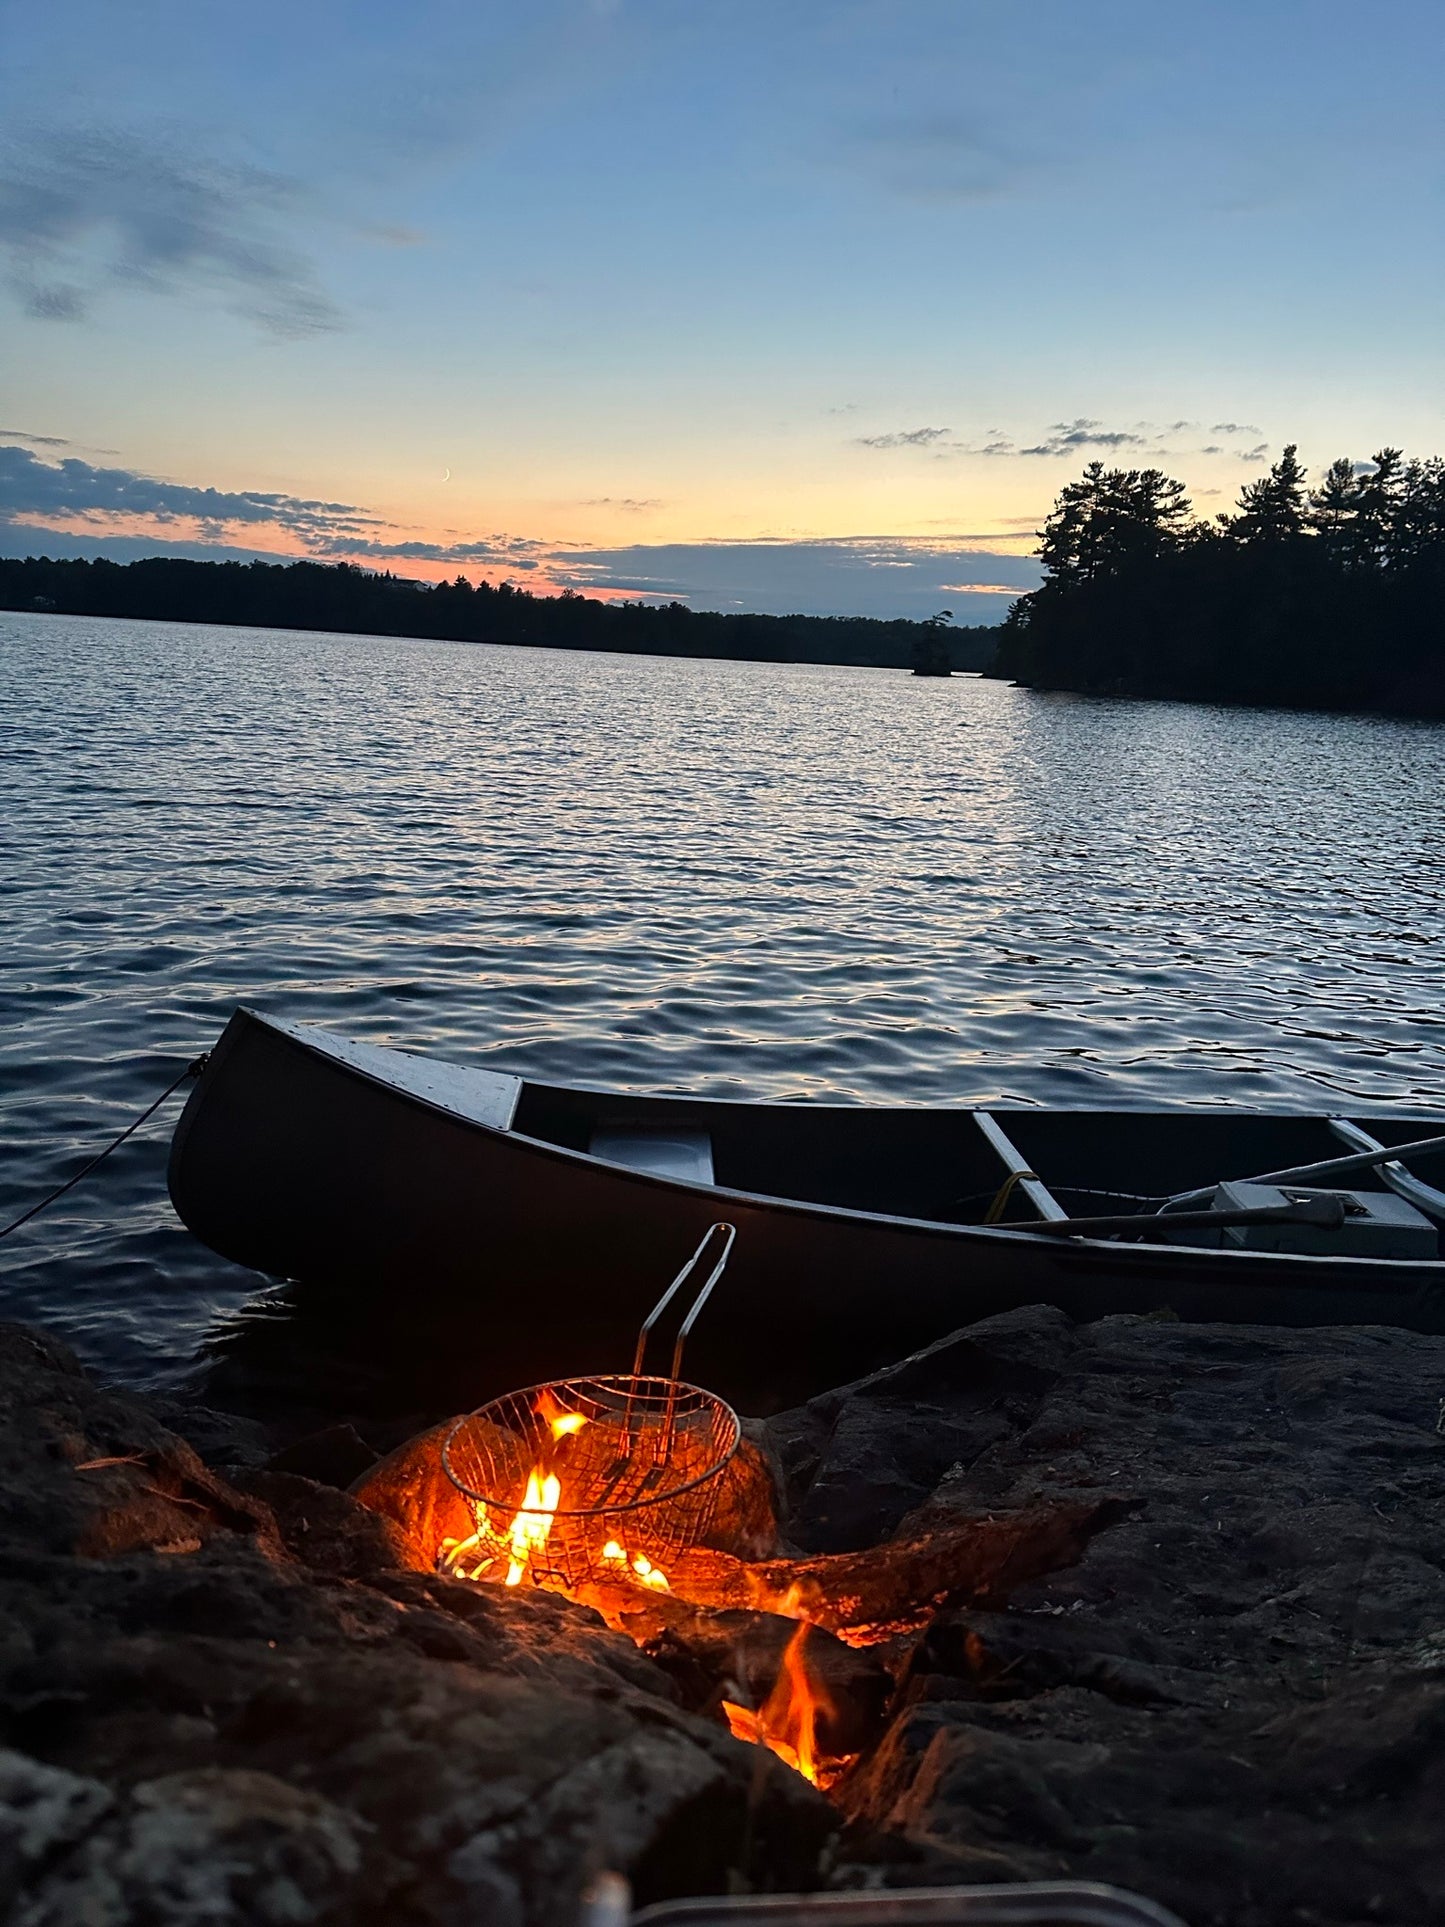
(1273, 508)
(1379, 496)
(1420, 514)
(1334, 507)
(1110, 518)
(1068, 539)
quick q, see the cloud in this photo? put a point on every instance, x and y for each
(634, 504)
(1234, 428)
(35, 441)
(884, 576)
(502, 551)
(18, 539)
(1060, 439)
(981, 588)
(73, 489)
(906, 438)
(37, 495)
(72, 507)
(1067, 438)
(81, 211)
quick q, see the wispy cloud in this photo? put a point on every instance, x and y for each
(83, 210)
(633, 504)
(495, 551)
(1061, 440)
(34, 441)
(981, 588)
(1067, 438)
(907, 438)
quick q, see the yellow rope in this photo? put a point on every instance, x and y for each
(1005, 1192)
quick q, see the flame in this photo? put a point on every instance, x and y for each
(532, 1524)
(556, 1416)
(637, 1564)
(787, 1721)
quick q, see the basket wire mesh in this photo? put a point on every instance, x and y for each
(582, 1480)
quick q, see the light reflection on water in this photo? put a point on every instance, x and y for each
(722, 878)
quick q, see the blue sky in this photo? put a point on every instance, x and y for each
(808, 300)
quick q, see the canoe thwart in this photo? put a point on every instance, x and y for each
(1017, 1166)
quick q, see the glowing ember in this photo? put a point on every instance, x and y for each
(787, 1721)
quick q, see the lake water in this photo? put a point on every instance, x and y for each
(661, 875)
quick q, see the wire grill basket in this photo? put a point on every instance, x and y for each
(581, 1480)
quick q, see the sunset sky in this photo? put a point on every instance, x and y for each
(768, 304)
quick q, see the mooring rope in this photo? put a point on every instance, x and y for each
(193, 1069)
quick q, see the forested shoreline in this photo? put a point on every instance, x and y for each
(1313, 597)
(342, 597)
(1328, 597)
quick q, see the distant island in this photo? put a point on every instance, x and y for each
(1330, 597)
(340, 596)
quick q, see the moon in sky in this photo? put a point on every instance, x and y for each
(446, 475)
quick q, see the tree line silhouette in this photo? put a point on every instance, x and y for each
(1328, 597)
(342, 597)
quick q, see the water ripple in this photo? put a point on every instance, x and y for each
(724, 878)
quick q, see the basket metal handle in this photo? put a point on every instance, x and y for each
(729, 1234)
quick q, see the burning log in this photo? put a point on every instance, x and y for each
(887, 1591)
(863, 1597)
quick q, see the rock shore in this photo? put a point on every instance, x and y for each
(226, 1696)
(223, 1705)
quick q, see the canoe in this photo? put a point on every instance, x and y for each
(531, 1225)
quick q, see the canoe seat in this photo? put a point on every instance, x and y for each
(684, 1156)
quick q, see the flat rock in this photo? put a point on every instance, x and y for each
(1234, 1702)
(857, 1460)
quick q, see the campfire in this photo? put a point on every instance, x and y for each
(639, 1496)
(619, 1479)
(615, 1475)
(647, 1452)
